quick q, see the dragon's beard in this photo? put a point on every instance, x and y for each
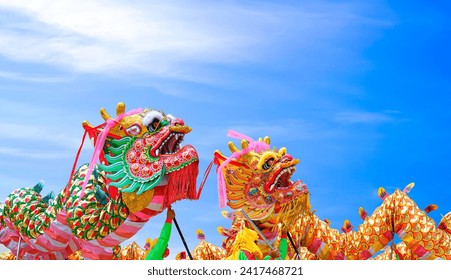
(290, 212)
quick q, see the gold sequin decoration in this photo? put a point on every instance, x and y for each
(135, 202)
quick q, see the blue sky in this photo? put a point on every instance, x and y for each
(359, 91)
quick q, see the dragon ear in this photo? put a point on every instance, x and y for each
(218, 158)
(265, 140)
(93, 132)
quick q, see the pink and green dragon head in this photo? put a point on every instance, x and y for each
(143, 170)
(142, 153)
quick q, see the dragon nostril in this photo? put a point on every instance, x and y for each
(287, 157)
(178, 122)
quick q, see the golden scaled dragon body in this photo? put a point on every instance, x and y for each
(259, 183)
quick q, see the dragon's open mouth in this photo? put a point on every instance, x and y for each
(281, 180)
(171, 144)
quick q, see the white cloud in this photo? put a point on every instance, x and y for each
(167, 38)
(33, 155)
(363, 117)
(97, 36)
(39, 133)
(18, 76)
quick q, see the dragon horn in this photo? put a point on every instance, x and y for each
(244, 144)
(104, 114)
(120, 108)
(232, 147)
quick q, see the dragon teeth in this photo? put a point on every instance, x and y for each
(178, 137)
(289, 170)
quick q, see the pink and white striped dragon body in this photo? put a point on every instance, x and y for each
(138, 169)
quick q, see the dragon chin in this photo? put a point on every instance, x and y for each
(179, 159)
(178, 182)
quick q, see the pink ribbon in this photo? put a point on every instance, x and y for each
(101, 141)
(256, 146)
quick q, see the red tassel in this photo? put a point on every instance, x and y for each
(182, 184)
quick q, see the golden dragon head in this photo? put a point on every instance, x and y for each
(258, 182)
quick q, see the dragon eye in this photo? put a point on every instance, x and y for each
(153, 125)
(152, 120)
(135, 129)
(171, 117)
(156, 124)
(268, 164)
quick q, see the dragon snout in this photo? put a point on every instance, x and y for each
(177, 122)
(286, 157)
(180, 128)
